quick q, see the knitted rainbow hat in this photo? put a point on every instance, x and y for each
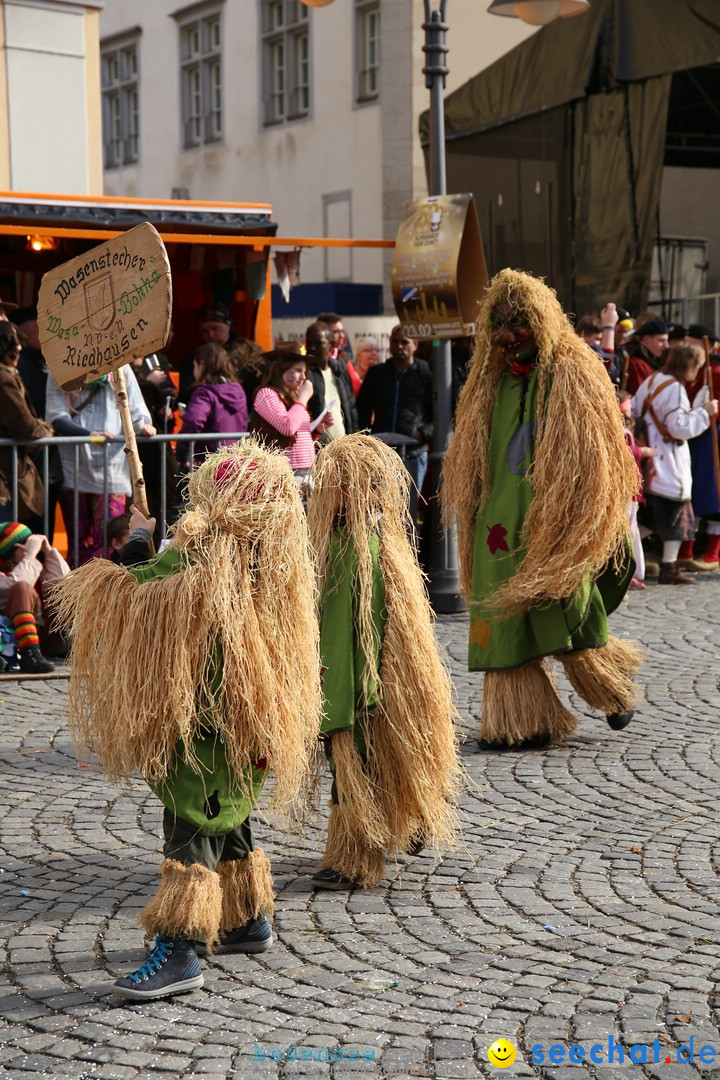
(11, 533)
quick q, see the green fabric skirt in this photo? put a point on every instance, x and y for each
(210, 800)
(577, 622)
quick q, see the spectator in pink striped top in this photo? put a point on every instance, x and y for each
(280, 417)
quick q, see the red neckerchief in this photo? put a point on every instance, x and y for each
(520, 368)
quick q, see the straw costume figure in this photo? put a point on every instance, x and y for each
(389, 715)
(199, 670)
(539, 477)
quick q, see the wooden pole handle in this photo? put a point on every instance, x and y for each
(131, 450)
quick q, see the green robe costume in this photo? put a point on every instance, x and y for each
(580, 621)
(343, 661)
(210, 801)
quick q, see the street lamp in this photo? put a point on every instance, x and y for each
(443, 578)
(538, 12)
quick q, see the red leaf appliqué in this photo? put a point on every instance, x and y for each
(496, 538)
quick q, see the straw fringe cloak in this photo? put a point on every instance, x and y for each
(583, 478)
(229, 643)
(406, 788)
(583, 473)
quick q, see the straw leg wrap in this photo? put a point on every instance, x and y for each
(348, 851)
(187, 904)
(357, 794)
(522, 702)
(604, 677)
(247, 889)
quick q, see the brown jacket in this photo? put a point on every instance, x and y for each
(19, 421)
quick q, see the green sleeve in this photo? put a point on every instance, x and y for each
(337, 638)
(342, 660)
(167, 562)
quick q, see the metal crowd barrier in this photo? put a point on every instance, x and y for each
(45, 445)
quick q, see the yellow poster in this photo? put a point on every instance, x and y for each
(438, 270)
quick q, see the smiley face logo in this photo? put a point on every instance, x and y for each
(502, 1053)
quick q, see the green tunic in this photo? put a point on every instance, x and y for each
(580, 621)
(342, 659)
(209, 800)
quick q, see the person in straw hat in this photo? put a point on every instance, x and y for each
(539, 477)
(226, 689)
(389, 713)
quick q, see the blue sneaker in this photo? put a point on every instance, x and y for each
(172, 967)
(254, 937)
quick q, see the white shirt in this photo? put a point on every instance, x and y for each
(669, 474)
(101, 414)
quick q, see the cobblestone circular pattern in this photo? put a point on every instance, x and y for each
(582, 902)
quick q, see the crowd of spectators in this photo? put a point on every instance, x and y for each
(301, 395)
(297, 397)
(668, 382)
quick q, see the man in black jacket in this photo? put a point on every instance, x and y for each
(333, 389)
(397, 397)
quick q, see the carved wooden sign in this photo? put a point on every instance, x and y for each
(438, 268)
(102, 309)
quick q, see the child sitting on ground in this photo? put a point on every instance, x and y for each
(28, 565)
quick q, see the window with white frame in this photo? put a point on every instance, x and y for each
(367, 50)
(201, 81)
(285, 34)
(120, 100)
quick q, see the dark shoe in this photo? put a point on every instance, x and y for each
(670, 575)
(32, 662)
(417, 845)
(57, 647)
(254, 937)
(172, 967)
(331, 879)
(4, 666)
(535, 742)
(620, 720)
(493, 744)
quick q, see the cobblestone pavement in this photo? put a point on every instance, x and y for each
(582, 904)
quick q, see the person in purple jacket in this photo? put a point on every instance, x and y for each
(218, 401)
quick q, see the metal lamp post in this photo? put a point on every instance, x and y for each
(444, 582)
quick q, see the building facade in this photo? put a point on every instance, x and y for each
(313, 110)
(50, 127)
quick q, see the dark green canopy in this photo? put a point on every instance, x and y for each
(562, 142)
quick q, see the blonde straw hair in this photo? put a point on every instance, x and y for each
(583, 473)
(228, 644)
(411, 743)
